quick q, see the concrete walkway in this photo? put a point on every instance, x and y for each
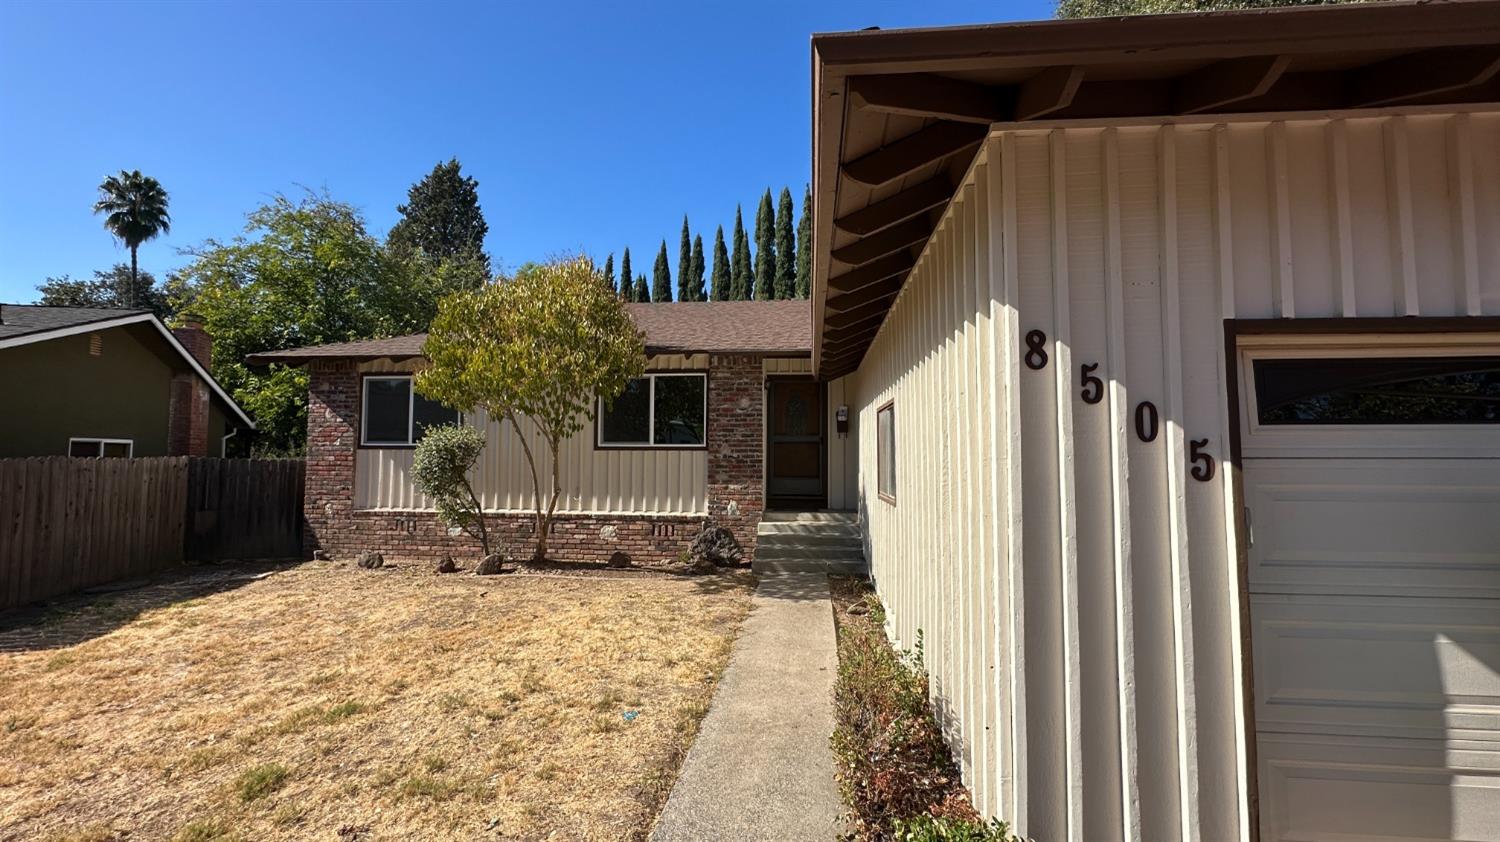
(761, 768)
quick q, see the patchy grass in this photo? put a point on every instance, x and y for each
(895, 773)
(327, 702)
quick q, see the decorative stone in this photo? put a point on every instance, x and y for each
(733, 509)
(490, 565)
(619, 559)
(858, 608)
(370, 561)
(610, 533)
(717, 546)
(320, 555)
(447, 565)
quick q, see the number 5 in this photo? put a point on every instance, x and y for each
(1203, 464)
(1093, 387)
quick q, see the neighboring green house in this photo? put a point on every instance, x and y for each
(90, 381)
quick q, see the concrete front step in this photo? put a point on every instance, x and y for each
(837, 568)
(806, 539)
(812, 553)
(810, 517)
(847, 530)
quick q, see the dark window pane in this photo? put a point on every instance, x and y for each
(83, 449)
(387, 404)
(627, 419)
(430, 413)
(118, 449)
(1407, 390)
(885, 451)
(679, 409)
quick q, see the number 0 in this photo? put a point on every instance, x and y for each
(1147, 421)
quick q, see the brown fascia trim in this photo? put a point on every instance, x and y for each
(659, 350)
(1151, 38)
(304, 359)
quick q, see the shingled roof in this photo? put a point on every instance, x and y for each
(695, 327)
(24, 319)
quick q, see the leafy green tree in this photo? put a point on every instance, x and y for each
(116, 287)
(440, 469)
(135, 209)
(739, 266)
(1116, 8)
(627, 288)
(765, 249)
(685, 263)
(609, 270)
(719, 280)
(695, 271)
(661, 276)
(642, 291)
(441, 217)
(304, 272)
(804, 246)
(538, 350)
(786, 247)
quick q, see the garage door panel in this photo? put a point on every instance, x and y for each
(1325, 789)
(1399, 668)
(1402, 527)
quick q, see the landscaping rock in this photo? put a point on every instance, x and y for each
(718, 546)
(447, 565)
(370, 561)
(321, 555)
(858, 608)
(490, 565)
(619, 559)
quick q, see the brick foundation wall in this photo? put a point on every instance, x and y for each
(736, 485)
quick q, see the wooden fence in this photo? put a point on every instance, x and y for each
(71, 523)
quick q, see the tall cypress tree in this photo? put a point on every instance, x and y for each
(695, 270)
(786, 247)
(719, 281)
(804, 246)
(739, 267)
(765, 249)
(661, 276)
(441, 217)
(642, 294)
(626, 292)
(684, 262)
(609, 270)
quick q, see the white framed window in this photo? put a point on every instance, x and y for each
(392, 414)
(658, 410)
(91, 448)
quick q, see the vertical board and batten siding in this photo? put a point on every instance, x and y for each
(594, 481)
(1076, 590)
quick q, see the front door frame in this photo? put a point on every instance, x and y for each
(799, 502)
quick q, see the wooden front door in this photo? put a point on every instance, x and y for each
(794, 443)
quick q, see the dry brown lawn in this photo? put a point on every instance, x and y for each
(328, 702)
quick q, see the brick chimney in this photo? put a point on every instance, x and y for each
(187, 426)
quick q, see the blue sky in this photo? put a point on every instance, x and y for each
(589, 126)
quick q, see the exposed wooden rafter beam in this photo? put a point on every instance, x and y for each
(872, 292)
(854, 341)
(1051, 90)
(1422, 74)
(845, 360)
(926, 95)
(916, 150)
(1226, 82)
(872, 272)
(910, 233)
(898, 208)
(837, 323)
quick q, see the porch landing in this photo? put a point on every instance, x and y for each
(761, 768)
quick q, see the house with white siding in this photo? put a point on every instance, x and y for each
(1173, 360)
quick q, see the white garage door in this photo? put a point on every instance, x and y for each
(1372, 482)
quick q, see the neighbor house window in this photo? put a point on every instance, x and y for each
(658, 410)
(885, 452)
(395, 415)
(1378, 390)
(92, 448)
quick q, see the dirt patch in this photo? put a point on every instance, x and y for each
(325, 701)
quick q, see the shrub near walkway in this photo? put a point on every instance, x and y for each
(896, 776)
(329, 702)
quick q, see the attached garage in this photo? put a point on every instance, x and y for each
(1172, 351)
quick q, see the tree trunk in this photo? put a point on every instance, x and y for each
(134, 278)
(546, 522)
(542, 518)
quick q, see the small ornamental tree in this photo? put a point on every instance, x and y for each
(440, 467)
(540, 347)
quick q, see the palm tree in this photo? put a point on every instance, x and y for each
(137, 211)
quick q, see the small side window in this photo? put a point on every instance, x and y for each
(885, 451)
(395, 416)
(93, 448)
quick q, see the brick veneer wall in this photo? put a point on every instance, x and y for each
(736, 397)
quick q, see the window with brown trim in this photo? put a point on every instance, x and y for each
(885, 452)
(394, 415)
(657, 410)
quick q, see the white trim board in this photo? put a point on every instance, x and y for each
(133, 318)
